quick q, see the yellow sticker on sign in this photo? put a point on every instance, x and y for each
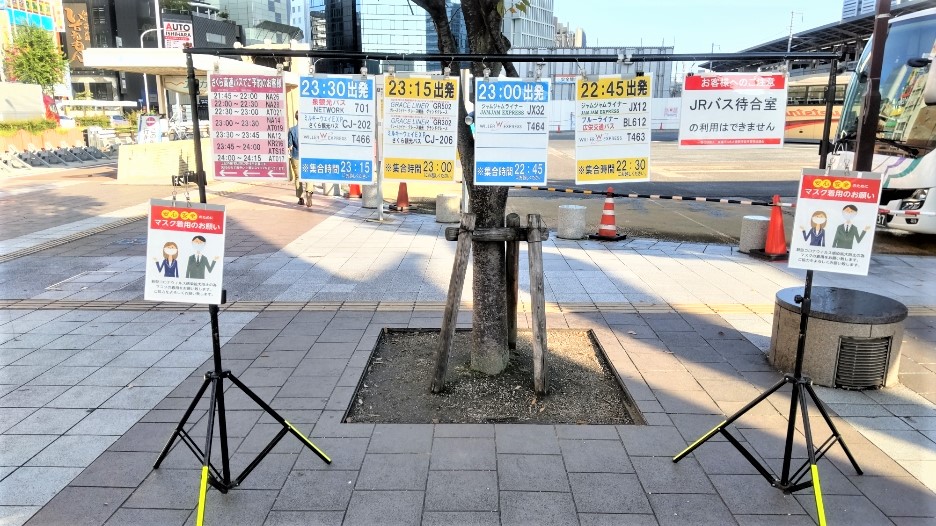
(609, 170)
(613, 88)
(418, 170)
(420, 88)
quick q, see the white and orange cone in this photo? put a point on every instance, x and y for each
(607, 229)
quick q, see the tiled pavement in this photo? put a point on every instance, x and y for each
(89, 395)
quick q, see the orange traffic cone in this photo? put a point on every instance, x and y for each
(775, 248)
(354, 191)
(402, 200)
(607, 229)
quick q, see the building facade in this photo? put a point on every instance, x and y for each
(535, 28)
(262, 20)
(567, 37)
(299, 17)
(853, 8)
(456, 23)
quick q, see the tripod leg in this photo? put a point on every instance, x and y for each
(203, 486)
(791, 431)
(811, 452)
(760, 398)
(835, 431)
(276, 416)
(182, 422)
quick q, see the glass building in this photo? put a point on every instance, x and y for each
(261, 19)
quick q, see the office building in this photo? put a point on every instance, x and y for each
(299, 17)
(567, 37)
(262, 20)
(456, 23)
(853, 8)
(535, 28)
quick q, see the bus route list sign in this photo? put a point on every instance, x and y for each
(185, 253)
(337, 122)
(420, 128)
(733, 110)
(834, 224)
(248, 125)
(612, 129)
(511, 139)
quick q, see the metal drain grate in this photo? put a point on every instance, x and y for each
(862, 362)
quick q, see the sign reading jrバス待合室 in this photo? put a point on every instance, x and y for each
(511, 135)
(420, 128)
(833, 230)
(337, 125)
(184, 252)
(248, 125)
(612, 129)
(733, 110)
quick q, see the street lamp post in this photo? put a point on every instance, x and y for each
(145, 85)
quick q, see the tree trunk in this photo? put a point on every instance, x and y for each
(489, 353)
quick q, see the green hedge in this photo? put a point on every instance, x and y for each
(30, 126)
(93, 120)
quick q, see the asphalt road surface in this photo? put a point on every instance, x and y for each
(755, 175)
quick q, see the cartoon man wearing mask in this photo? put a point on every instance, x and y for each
(197, 262)
(847, 234)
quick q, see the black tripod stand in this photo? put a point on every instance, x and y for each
(802, 386)
(210, 474)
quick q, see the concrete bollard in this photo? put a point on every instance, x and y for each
(448, 208)
(371, 197)
(571, 222)
(753, 233)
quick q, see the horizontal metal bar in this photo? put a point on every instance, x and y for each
(524, 57)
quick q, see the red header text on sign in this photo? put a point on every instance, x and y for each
(181, 219)
(847, 189)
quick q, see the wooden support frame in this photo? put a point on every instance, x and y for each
(512, 234)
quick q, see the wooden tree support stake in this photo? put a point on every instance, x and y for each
(538, 301)
(513, 282)
(450, 318)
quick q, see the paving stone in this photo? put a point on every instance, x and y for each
(537, 508)
(751, 494)
(261, 434)
(321, 367)
(401, 438)
(93, 357)
(690, 509)
(17, 515)
(528, 439)
(844, 509)
(63, 375)
(662, 475)
(321, 387)
(74, 342)
(147, 517)
(335, 347)
(81, 506)
(21, 374)
(463, 454)
(897, 496)
(615, 519)
(306, 518)
(270, 474)
(239, 507)
(693, 402)
(329, 425)
(107, 422)
(34, 486)
(774, 520)
(16, 450)
(462, 491)
(462, 518)
(168, 489)
(608, 493)
(393, 472)
(123, 469)
(10, 416)
(137, 359)
(398, 508)
(531, 473)
(72, 451)
(316, 491)
(271, 358)
(32, 395)
(464, 430)
(83, 397)
(113, 376)
(136, 397)
(586, 432)
(48, 421)
(8, 356)
(162, 376)
(595, 456)
(145, 437)
(721, 458)
(647, 441)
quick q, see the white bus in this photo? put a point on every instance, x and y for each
(905, 149)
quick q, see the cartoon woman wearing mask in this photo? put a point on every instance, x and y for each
(170, 264)
(816, 235)
(846, 234)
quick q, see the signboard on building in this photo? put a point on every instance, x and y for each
(612, 129)
(149, 129)
(77, 32)
(337, 127)
(185, 252)
(733, 110)
(176, 34)
(511, 135)
(833, 229)
(248, 125)
(420, 128)
(45, 14)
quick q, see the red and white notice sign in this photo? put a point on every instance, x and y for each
(835, 217)
(248, 125)
(184, 252)
(177, 34)
(733, 110)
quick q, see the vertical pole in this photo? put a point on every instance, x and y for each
(513, 285)
(193, 98)
(871, 105)
(827, 121)
(805, 308)
(450, 318)
(538, 302)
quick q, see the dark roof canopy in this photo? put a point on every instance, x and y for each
(847, 36)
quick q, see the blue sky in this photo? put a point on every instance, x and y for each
(693, 26)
